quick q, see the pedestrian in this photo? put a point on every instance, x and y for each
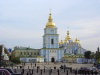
(23, 71)
(35, 64)
(27, 73)
(55, 67)
(58, 71)
(17, 67)
(85, 72)
(64, 68)
(32, 71)
(31, 64)
(92, 72)
(44, 69)
(33, 67)
(71, 69)
(76, 72)
(49, 72)
(28, 67)
(66, 72)
(37, 69)
(24, 63)
(96, 72)
(41, 71)
(15, 70)
(20, 67)
(88, 72)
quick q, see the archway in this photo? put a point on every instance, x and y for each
(52, 59)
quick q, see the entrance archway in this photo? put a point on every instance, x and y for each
(52, 59)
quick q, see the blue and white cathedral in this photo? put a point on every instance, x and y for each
(67, 50)
(53, 50)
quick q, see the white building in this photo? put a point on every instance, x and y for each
(3, 54)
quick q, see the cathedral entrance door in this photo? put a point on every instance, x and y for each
(52, 59)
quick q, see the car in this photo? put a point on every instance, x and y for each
(4, 72)
(83, 69)
(98, 66)
(10, 71)
(93, 69)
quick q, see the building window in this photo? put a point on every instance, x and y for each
(38, 53)
(21, 53)
(52, 31)
(52, 41)
(34, 53)
(27, 53)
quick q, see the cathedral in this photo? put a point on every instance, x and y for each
(53, 50)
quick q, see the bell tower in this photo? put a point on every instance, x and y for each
(50, 37)
(51, 51)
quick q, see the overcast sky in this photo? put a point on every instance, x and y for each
(22, 22)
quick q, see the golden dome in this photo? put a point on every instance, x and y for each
(67, 37)
(50, 23)
(77, 41)
(61, 42)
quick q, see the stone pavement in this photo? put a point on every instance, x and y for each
(51, 65)
(49, 72)
(46, 72)
(49, 68)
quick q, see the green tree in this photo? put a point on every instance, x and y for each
(15, 60)
(87, 54)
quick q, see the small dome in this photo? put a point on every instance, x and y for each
(61, 42)
(68, 38)
(77, 41)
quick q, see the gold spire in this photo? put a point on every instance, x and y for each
(50, 23)
(77, 41)
(68, 33)
(67, 37)
(50, 18)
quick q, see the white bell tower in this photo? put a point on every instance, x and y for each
(50, 38)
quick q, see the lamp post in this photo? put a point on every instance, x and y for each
(0, 58)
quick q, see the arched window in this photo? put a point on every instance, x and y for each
(27, 53)
(52, 41)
